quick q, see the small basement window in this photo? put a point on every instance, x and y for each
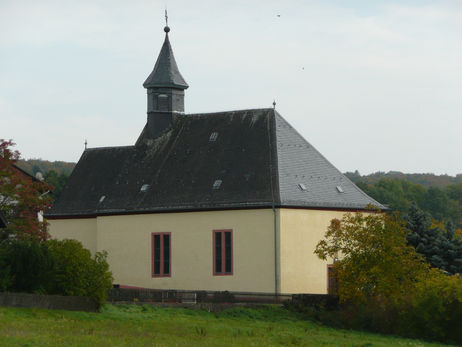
(213, 136)
(302, 187)
(144, 188)
(217, 184)
(340, 189)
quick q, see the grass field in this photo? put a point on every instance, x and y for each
(144, 325)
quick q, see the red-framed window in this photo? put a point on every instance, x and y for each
(161, 244)
(222, 252)
(331, 279)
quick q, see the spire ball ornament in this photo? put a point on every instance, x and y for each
(166, 28)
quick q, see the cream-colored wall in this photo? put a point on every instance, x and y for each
(128, 242)
(301, 271)
(127, 239)
(83, 230)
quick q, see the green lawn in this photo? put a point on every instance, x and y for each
(136, 325)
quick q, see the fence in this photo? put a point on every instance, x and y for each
(192, 297)
(56, 302)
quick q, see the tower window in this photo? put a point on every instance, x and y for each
(162, 102)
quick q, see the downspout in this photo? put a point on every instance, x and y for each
(275, 253)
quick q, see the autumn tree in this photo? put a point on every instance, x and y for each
(372, 257)
(21, 198)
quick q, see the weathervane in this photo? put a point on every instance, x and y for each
(274, 103)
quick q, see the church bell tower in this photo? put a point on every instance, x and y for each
(165, 88)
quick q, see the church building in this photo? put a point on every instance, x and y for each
(232, 201)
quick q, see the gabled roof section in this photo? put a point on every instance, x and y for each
(165, 72)
(225, 160)
(179, 170)
(25, 174)
(307, 179)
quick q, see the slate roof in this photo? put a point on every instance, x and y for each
(257, 160)
(165, 72)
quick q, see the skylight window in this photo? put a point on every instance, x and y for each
(217, 184)
(302, 187)
(144, 187)
(101, 199)
(340, 189)
(213, 136)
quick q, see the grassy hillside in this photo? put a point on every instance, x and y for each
(146, 325)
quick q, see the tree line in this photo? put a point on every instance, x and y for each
(432, 215)
(441, 203)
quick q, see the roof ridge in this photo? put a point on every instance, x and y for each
(232, 111)
(106, 147)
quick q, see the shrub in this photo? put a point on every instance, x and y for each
(5, 268)
(53, 267)
(77, 273)
(26, 266)
(436, 307)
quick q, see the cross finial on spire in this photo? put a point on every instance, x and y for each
(86, 143)
(274, 104)
(166, 29)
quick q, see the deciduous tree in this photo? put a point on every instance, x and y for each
(21, 197)
(374, 257)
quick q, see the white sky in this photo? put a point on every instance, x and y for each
(373, 85)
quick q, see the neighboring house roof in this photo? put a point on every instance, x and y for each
(25, 174)
(165, 72)
(255, 159)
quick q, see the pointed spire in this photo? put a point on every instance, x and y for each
(165, 72)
